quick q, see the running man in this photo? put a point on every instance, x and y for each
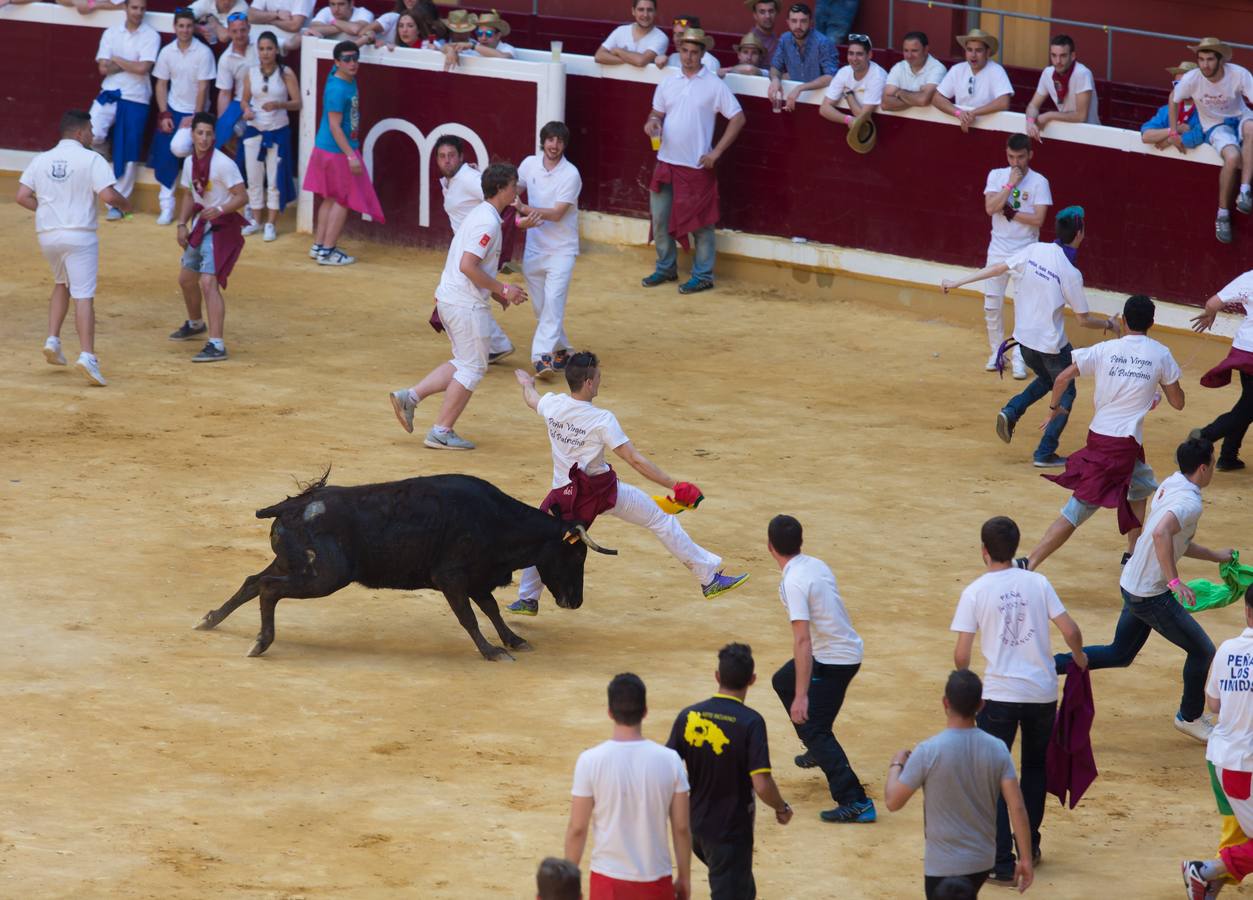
(1154, 595)
(465, 289)
(60, 188)
(1110, 470)
(1231, 426)
(1047, 281)
(580, 433)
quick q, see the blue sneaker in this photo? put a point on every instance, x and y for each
(524, 607)
(695, 285)
(659, 278)
(860, 812)
(723, 583)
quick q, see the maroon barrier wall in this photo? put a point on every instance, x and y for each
(51, 69)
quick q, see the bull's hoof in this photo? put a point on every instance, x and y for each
(258, 648)
(208, 623)
(521, 647)
(496, 654)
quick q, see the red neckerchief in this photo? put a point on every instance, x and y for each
(200, 171)
(1061, 83)
(1185, 110)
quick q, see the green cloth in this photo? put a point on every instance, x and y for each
(1224, 806)
(1236, 580)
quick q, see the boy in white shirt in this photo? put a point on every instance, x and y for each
(288, 16)
(857, 87)
(342, 20)
(912, 82)
(976, 87)
(1012, 609)
(1069, 84)
(636, 44)
(1232, 425)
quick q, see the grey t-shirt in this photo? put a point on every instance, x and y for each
(960, 770)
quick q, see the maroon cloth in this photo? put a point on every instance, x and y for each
(585, 497)
(1101, 472)
(1061, 84)
(225, 231)
(1069, 766)
(695, 204)
(1220, 375)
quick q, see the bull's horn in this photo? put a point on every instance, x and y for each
(583, 536)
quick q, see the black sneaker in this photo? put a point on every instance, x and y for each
(1004, 426)
(493, 358)
(805, 761)
(1002, 880)
(1052, 461)
(659, 278)
(1232, 464)
(862, 811)
(187, 331)
(210, 353)
(1022, 562)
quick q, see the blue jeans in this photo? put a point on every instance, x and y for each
(835, 17)
(1003, 720)
(1047, 366)
(659, 204)
(1163, 614)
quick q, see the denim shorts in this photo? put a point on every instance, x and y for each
(200, 259)
(1143, 484)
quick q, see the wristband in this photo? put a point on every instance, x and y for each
(1173, 133)
(848, 120)
(1030, 118)
(182, 224)
(1174, 584)
(898, 765)
(1007, 187)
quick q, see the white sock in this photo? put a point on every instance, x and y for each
(84, 355)
(218, 342)
(1224, 213)
(440, 429)
(195, 323)
(413, 396)
(53, 341)
(1244, 188)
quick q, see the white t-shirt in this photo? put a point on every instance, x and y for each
(223, 175)
(969, 90)
(631, 784)
(265, 90)
(1241, 291)
(479, 234)
(184, 70)
(359, 14)
(294, 7)
(580, 433)
(1010, 236)
(1046, 281)
(203, 9)
(545, 189)
(141, 45)
(502, 47)
(623, 38)
(232, 66)
(1128, 372)
(1080, 81)
(1142, 575)
(869, 90)
(690, 106)
(708, 61)
(66, 180)
(809, 594)
(462, 193)
(1231, 682)
(903, 77)
(1011, 609)
(1217, 100)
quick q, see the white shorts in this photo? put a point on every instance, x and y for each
(470, 330)
(73, 254)
(1223, 135)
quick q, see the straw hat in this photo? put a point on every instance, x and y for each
(695, 36)
(749, 40)
(460, 22)
(1212, 43)
(1184, 67)
(978, 34)
(493, 20)
(862, 135)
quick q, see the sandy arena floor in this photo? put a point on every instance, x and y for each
(371, 752)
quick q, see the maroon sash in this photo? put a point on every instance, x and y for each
(225, 231)
(585, 497)
(695, 198)
(1220, 375)
(1100, 473)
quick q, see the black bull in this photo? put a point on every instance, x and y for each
(455, 533)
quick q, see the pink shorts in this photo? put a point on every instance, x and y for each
(329, 176)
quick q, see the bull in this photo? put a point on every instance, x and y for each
(455, 533)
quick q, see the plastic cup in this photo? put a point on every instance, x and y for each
(656, 141)
(556, 48)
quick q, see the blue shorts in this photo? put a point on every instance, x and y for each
(1143, 484)
(200, 259)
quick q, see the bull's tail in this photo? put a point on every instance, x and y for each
(306, 488)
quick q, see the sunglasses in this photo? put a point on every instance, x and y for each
(680, 23)
(862, 38)
(349, 58)
(484, 34)
(237, 17)
(970, 85)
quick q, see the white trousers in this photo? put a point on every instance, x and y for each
(165, 197)
(638, 508)
(262, 176)
(467, 328)
(102, 118)
(994, 303)
(497, 340)
(548, 282)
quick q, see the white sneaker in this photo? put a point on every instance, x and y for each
(991, 366)
(1198, 729)
(1019, 367)
(90, 367)
(250, 228)
(166, 217)
(270, 233)
(336, 257)
(53, 354)
(248, 215)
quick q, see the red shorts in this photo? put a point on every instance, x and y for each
(602, 887)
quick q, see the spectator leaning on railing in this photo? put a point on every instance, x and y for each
(425, 24)
(749, 54)
(1219, 89)
(342, 20)
(288, 16)
(803, 55)
(978, 86)
(487, 40)
(857, 87)
(680, 25)
(764, 14)
(913, 80)
(213, 18)
(637, 43)
(1069, 84)
(1188, 133)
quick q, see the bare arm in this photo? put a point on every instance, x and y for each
(1083, 102)
(162, 94)
(505, 293)
(897, 98)
(993, 271)
(681, 832)
(134, 67)
(185, 206)
(734, 126)
(262, 16)
(803, 656)
(962, 649)
(549, 214)
(630, 57)
(652, 125)
(111, 196)
(1196, 551)
(529, 395)
(202, 93)
(1073, 637)
(944, 105)
(895, 792)
(768, 791)
(1100, 323)
(1174, 394)
(492, 52)
(335, 119)
(238, 199)
(26, 198)
(1021, 828)
(576, 830)
(1000, 104)
(1035, 219)
(1033, 115)
(644, 466)
(225, 98)
(607, 57)
(294, 102)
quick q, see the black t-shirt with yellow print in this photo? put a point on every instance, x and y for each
(723, 744)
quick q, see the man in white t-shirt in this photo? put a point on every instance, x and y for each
(1231, 426)
(486, 40)
(60, 188)
(626, 790)
(1069, 84)
(124, 58)
(826, 656)
(466, 287)
(913, 80)
(1219, 89)
(683, 193)
(584, 485)
(209, 226)
(1229, 751)
(287, 16)
(1153, 594)
(213, 18)
(1011, 609)
(184, 70)
(636, 44)
(343, 20)
(1132, 374)
(552, 185)
(976, 87)
(856, 87)
(1046, 281)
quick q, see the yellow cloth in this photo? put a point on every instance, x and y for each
(1233, 834)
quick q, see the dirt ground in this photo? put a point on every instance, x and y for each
(371, 752)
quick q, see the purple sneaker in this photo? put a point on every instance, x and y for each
(723, 583)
